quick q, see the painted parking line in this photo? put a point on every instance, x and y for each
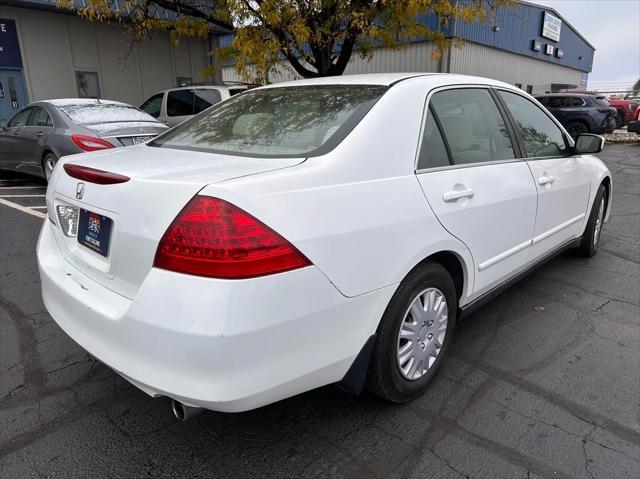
(24, 209)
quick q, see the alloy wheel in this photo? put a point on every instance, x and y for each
(422, 333)
(598, 227)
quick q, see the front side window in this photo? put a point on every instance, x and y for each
(472, 125)
(20, 118)
(276, 122)
(153, 105)
(40, 117)
(540, 134)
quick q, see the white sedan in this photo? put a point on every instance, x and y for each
(314, 232)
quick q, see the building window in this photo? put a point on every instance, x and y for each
(184, 81)
(529, 89)
(88, 84)
(519, 85)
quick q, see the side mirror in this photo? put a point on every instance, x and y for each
(587, 144)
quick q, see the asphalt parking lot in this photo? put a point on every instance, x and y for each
(543, 382)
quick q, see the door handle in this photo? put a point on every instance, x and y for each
(454, 195)
(546, 180)
(39, 133)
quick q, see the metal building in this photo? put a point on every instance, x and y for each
(530, 46)
(49, 53)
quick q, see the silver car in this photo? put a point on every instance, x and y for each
(37, 136)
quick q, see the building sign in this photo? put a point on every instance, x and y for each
(9, 46)
(559, 52)
(584, 79)
(551, 27)
(548, 49)
(536, 46)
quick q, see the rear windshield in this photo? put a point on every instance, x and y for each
(276, 122)
(84, 114)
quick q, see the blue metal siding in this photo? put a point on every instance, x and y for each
(519, 27)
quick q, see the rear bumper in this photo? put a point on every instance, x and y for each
(223, 345)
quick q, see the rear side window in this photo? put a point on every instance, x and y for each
(540, 134)
(153, 105)
(433, 152)
(40, 117)
(276, 122)
(575, 101)
(191, 102)
(472, 125)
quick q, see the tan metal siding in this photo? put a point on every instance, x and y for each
(480, 60)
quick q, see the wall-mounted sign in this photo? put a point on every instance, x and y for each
(584, 79)
(536, 46)
(559, 52)
(9, 46)
(548, 49)
(551, 27)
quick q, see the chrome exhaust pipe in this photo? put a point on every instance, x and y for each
(182, 412)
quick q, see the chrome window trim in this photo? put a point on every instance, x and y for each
(425, 112)
(468, 165)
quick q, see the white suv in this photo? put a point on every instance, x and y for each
(176, 105)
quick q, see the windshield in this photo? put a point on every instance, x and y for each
(276, 122)
(84, 114)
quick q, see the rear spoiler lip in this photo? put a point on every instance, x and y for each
(93, 175)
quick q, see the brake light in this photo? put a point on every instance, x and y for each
(213, 238)
(93, 175)
(89, 143)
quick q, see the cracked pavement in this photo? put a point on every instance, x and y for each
(544, 381)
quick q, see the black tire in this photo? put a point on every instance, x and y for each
(48, 156)
(385, 378)
(575, 128)
(590, 240)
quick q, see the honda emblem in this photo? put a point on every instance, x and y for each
(80, 191)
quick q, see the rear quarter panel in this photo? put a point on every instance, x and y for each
(357, 213)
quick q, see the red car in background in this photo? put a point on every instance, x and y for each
(634, 126)
(625, 108)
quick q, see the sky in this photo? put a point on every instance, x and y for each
(613, 28)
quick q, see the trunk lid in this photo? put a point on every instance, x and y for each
(139, 211)
(127, 133)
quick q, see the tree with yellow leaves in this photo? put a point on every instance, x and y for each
(316, 37)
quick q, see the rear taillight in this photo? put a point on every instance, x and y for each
(213, 238)
(89, 143)
(93, 175)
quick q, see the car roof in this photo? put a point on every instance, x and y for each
(389, 79)
(81, 101)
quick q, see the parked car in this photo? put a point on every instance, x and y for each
(313, 232)
(580, 113)
(38, 135)
(634, 125)
(624, 110)
(176, 105)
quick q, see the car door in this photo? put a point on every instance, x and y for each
(13, 144)
(480, 191)
(561, 178)
(35, 133)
